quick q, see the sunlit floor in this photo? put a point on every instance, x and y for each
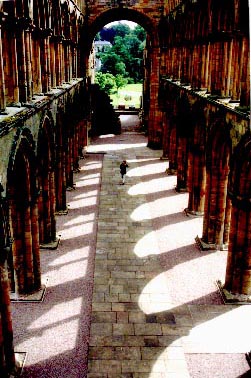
(153, 308)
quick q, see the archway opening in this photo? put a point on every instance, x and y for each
(119, 70)
(135, 99)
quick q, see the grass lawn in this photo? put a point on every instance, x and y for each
(132, 90)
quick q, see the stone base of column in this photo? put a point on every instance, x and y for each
(164, 158)
(61, 212)
(171, 172)
(52, 245)
(20, 358)
(155, 145)
(248, 358)
(70, 188)
(229, 298)
(180, 189)
(191, 213)
(36, 296)
(205, 246)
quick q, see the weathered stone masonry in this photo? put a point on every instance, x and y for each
(196, 104)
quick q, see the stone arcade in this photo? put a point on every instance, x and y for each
(196, 103)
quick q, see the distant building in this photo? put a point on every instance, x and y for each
(100, 46)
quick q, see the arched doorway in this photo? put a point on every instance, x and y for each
(152, 116)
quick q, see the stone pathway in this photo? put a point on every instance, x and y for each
(140, 328)
(153, 306)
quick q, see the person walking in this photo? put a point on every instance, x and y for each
(123, 166)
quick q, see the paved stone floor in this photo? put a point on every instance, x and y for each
(143, 324)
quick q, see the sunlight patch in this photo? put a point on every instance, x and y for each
(147, 245)
(218, 334)
(68, 274)
(141, 213)
(88, 176)
(115, 147)
(107, 136)
(68, 331)
(76, 231)
(147, 187)
(91, 193)
(90, 166)
(58, 313)
(80, 219)
(91, 201)
(147, 170)
(71, 256)
(154, 297)
(88, 182)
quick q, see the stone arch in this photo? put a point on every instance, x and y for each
(217, 204)
(24, 261)
(117, 14)
(238, 272)
(46, 181)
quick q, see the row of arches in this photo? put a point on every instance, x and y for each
(210, 155)
(43, 154)
(40, 48)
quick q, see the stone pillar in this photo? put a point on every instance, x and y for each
(52, 197)
(10, 58)
(45, 60)
(35, 242)
(60, 179)
(58, 59)
(36, 65)
(2, 79)
(53, 63)
(182, 158)
(216, 68)
(66, 60)
(155, 130)
(47, 207)
(7, 356)
(245, 74)
(166, 130)
(172, 169)
(196, 181)
(214, 223)
(238, 271)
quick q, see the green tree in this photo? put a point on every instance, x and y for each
(125, 57)
(106, 82)
(120, 81)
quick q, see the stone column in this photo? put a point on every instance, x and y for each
(216, 193)
(155, 130)
(172, 169)
(53, 63)
(7, 356)
(166, 130)
(2, 79)
(52, 197)
(182, 161)
(35, 242)
(45, 60)
(245, 74)
(197, 172)
(238, 271)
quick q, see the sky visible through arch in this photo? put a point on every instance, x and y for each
(131, 24)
